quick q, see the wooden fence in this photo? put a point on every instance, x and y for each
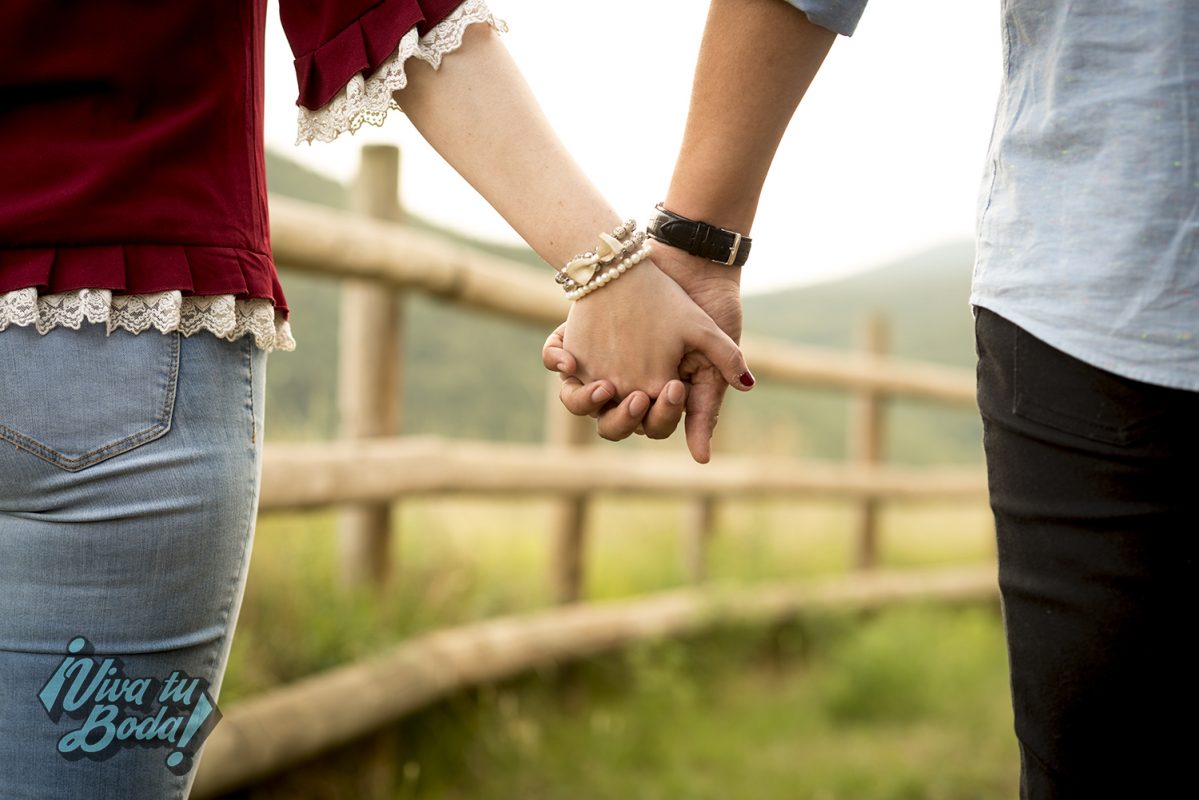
(378, 258)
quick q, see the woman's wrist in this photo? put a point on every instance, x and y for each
(614, 253)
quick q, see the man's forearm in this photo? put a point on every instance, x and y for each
(755, 63)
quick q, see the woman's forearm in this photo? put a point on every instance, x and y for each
(477, 111)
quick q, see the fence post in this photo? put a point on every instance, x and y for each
(569, 517)
(699, 516)
(370, 372)
(866, 435)
(697, 524)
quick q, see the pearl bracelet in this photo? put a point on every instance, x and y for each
(582, 269)
(617, 251)
(612, 273)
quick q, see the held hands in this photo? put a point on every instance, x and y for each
(639, 350)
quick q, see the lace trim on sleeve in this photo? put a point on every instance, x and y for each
(368, 100)
(222, 315)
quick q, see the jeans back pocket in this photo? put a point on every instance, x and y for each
(78, 397)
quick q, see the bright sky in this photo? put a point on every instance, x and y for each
(882, 159)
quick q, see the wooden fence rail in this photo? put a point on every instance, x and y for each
(312, 475)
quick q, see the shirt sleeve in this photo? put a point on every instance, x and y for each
(334, 40)
(350, 80)
(839, 16)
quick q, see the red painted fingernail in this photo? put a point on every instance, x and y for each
(746, 379)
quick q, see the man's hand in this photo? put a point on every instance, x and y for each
(717, 290)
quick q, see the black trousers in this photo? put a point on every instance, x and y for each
(1093, 480)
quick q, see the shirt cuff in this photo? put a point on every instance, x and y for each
(839, 16)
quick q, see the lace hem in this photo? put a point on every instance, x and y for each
(369, 100)
(222, 315)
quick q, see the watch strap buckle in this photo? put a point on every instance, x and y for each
(734, 249)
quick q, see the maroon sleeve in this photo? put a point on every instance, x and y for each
(334, 39)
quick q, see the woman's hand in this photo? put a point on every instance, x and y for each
(636, 336)
(636, 413)
(716, 289)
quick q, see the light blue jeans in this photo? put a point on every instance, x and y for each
(130, 468)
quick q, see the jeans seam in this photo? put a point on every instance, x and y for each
(250, 371)
(231, 587)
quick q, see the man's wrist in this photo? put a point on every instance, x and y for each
(693, 272)
(733, 208)
(728, 248)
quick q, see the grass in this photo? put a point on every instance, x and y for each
(838, 707)
(907, 703)
(911, 702)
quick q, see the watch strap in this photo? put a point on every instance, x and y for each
(698, 238)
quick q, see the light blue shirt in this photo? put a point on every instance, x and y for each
(1088, 213)
(1088, 218)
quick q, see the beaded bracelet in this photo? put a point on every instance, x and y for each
(629, 246)
(612, 273)
(581, 269)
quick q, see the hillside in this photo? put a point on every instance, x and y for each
(924, 300)
(923, 296)
(457, 364)
(468, 375)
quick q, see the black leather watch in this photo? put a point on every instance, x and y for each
(698, 238)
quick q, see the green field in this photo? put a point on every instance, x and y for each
(905, 703)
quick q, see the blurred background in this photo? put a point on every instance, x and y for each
(868, 215)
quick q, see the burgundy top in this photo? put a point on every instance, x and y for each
(131, 135)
